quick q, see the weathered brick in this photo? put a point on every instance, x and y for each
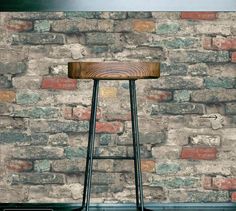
(208, 140)
(148, 166)
(230, 108)
(38, 153)
(59, 126)
(108, 92)
(210, 28)
(37, 178)
(27, 82)
(199, 15)
(178, 82)
(224, 183)
(109, 127)
(68, 166)
(176, 43)
(72, 26)
(173, 69)
(224, 43)
(13, 194)
(212, 168)
(87, 15)
(12, 123)
(58, 83)
(19, 25)
(5, 82)
(13, 137)
(199, 196)
(176, 109)
(7, 96)
(102, 38)
(42, 26)
(105, 25)
(182, 95)
(199, 56)
(200, 69)
(12, 54)
(37, 15)
(144, 25)
(166, 152)
(159, 96)
(39, 139)
(59, 139)
(114, 15)
(38, 39)
(12, 67)
(167, 28)
(72, 153)
(214, 96)
(167, 168)
(139, 14)
(117, 116)
(26, 98)
(198, 153)
(233, 197)
(177, 182)
(220, 82)
(82, 113)
(41, 166)
(37, 113)
(19, 165)
(233, 57)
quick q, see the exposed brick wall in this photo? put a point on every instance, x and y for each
(187, 116)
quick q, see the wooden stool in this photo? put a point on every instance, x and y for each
(113, 71)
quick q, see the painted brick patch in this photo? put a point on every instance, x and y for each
(58, 83)
(198, 153)
(199, 15)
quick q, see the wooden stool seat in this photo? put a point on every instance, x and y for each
(113, 70)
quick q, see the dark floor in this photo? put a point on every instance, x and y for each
(122, 207)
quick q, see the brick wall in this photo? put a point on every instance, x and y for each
(187, 117)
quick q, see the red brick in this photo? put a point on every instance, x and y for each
(198, 153)
(109, 127)
(67, 113)
(117, 116)
(148, 166)
(144, 25)
(19, 25)
(19, 165)
(7, 96)
(207, 43)
(233, 59)
(198, 15)
(233, 197)
(224, 183)
(207, 183)
(58, 83)
(224, 43)
(160, 96)
(79, 113)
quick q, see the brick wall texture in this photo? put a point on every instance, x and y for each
(187, 117)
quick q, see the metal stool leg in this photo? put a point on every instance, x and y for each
(136, 146)
(90, 150)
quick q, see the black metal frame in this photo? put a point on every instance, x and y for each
(136, 148)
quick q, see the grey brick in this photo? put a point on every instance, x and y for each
(5, 82)
(177, 108)
(214, 96)
(12, 68)
(38, 153)
(177, 82)
(38, 39)
(37, 179)
(13, 137)
(199, 56)
(58, 126)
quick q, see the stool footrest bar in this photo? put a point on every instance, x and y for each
(113, 158)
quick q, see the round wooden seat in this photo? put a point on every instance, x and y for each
(113, 70)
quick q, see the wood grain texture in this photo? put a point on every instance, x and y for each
(113, 70)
